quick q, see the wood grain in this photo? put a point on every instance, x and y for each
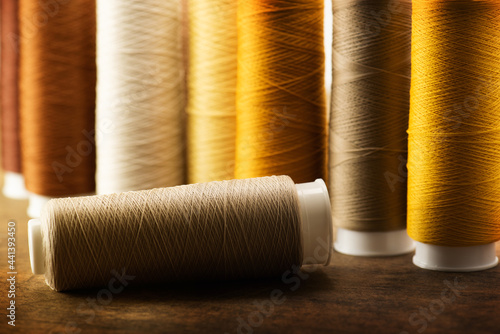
(352, 295)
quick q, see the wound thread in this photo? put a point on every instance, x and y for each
(454, 132)
(57, 97)
(369, 114)
(212, 89)
(209, 231)
(140, 126)
(281, 113)
(11, 146)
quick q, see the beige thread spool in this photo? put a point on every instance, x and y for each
(212, 231)
(369, 118)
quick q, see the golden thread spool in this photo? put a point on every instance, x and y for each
(211, 109)
(454, 132)
(281, 115)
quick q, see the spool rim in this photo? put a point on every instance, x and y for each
(455, 259)
(36, 203)
(13, 186)
(359, 243)
(316, 221)
(35, 241)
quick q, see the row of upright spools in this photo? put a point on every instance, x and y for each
(249, 75)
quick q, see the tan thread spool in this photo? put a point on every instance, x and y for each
(369, 118)
(212, 231)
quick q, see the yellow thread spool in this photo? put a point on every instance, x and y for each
(454, 134)
(211, 109)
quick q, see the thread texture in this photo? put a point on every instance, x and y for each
(454, 133)
(57, 96)
(9, 67)
(208, 231)
(281, 113)
(140, 95)
(212, 89)
(369, 114)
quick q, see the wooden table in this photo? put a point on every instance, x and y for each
(352, 295)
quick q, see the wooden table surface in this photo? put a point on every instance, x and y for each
(352, 295)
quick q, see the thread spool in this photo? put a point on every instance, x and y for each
(140, 95)
(454, 161)
(368, 122)
(281, 119)
(13, 185)
(211, 109)
(212, 231)
(57, 99)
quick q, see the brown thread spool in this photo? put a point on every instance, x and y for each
(11, 150)
(220, 230)
(57, 87)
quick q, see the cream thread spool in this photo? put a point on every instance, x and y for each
(314, 220)
(140, 95)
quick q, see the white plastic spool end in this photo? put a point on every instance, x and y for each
(455, 259)
(35, 241)
(359, 243)
(317, 229)
(13, 186)
(36, 204)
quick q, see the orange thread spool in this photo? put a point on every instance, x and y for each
(281, 112)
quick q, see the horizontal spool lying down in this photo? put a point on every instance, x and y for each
(221, 230)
